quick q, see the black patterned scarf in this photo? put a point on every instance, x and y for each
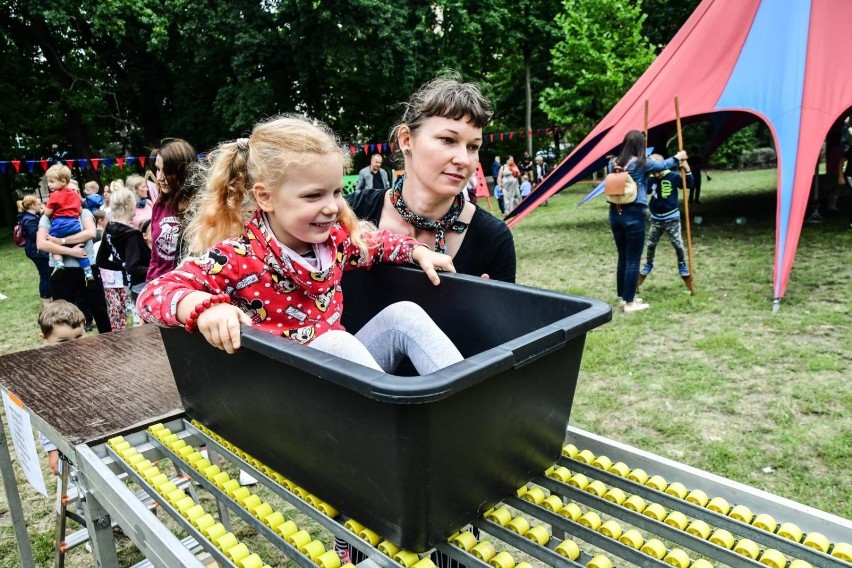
(447, 222)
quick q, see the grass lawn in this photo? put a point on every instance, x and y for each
(715, 380)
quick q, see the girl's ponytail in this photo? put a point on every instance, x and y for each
(218, 210)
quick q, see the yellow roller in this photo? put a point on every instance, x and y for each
(370, 536)
(677, 489)
(620, 469)
(214, 532)
(250, 502)
(226, 541)
(502, 560)
(765, 522)
(388, 548)
(654, 548)
(560, 473)
(790, 531)
(287, 529)
(843, 551)
(800, 564)
(699, 528)
(238, 552)
(638, 475)
(590, 520)
(655, 511)
(611, 529)
(632, 538)
(701, 563)
(204, 522)
(424, 563)
(518, 525)
(353, 526)
(741, 513)
(579, 481)
(596, 487)
(599, 561)
(538, 534)
(602, 462)
(677, 557)
(570, 450)
(585, 456)
(568, 548)
(553, 503)
(312, 549)
(484, 551)
(657, 482)
(503, 515)
(274, 519)
(615, 495)
(571, 511)
(261, 511)
(817, 541)
(719, 505)
(677, 520)
(773, 558)
(194, 513)
(635, 503)
(534, 495)
(723, 538)
(328, 559)
(406, 558)
(697, 497)
(299, 538)
(747, 547)
(464, 540)
(254, 561)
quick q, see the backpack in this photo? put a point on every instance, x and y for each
(619, 187)
(18, 235)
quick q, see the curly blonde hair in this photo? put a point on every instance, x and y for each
(226, 177)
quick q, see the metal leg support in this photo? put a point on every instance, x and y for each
(19, 522)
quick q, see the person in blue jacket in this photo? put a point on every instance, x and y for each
(628, 221)
(664, 206)
(30, 208)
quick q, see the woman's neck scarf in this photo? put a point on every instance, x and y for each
(447, 222)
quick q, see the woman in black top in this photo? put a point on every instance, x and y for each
(438, 140)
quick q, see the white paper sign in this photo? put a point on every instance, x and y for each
(23, 440)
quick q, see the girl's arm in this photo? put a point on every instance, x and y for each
(103, 258)
(136, 260)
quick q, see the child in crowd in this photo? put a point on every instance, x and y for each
(63, 208)
(275, 235)
(113, 282)
(665, 215)
(93, 200)
(526, 186)
(60, 321)
(125, 247)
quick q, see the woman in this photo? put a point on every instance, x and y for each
(628, 221)
(143, 203)
(30, 208)
(70, 284)
(509, 175)
(167, 216)
(438, 140)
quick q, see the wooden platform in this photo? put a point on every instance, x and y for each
(96, 387)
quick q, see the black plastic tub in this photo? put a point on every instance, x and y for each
(412, 457)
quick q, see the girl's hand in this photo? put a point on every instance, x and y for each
(431, 261)
(220, 326)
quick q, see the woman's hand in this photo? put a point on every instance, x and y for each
(220, 326)
(431, 261)
(681, 155)
(77, 251)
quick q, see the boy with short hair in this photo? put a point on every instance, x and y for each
(63, 208)
(93, 201)
(60, 321)
(665, 215)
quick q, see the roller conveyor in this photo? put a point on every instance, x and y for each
(597, 506)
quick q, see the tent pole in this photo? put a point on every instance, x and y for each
(688, 280)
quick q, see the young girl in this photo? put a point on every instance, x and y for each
(281, 269)
(125, 248)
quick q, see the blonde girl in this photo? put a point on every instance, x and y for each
(272, 235)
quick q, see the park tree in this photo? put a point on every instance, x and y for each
(601, 54)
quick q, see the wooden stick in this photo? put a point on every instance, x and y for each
(691, 282)
(646, 122)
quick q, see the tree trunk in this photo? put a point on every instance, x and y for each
(528, 97)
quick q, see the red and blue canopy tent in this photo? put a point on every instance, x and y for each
(733, 62)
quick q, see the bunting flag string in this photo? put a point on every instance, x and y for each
(101, 163)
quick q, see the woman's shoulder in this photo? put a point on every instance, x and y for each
(484, 223)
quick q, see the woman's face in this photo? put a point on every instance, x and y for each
(162, 184)
(444, 154)
(107, 195)
(142, 190)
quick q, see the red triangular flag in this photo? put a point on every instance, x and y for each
(502, 134)
(71, 163)
(95, 162)
(120, 162)
(17, 164)
(142, 161)
(511, 134)
(366, 151)
(44, 165)
(529, 133)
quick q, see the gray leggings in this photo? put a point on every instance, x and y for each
(401, 329)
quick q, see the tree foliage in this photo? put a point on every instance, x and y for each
(602, 53)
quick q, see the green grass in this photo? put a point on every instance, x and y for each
(715, 381)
